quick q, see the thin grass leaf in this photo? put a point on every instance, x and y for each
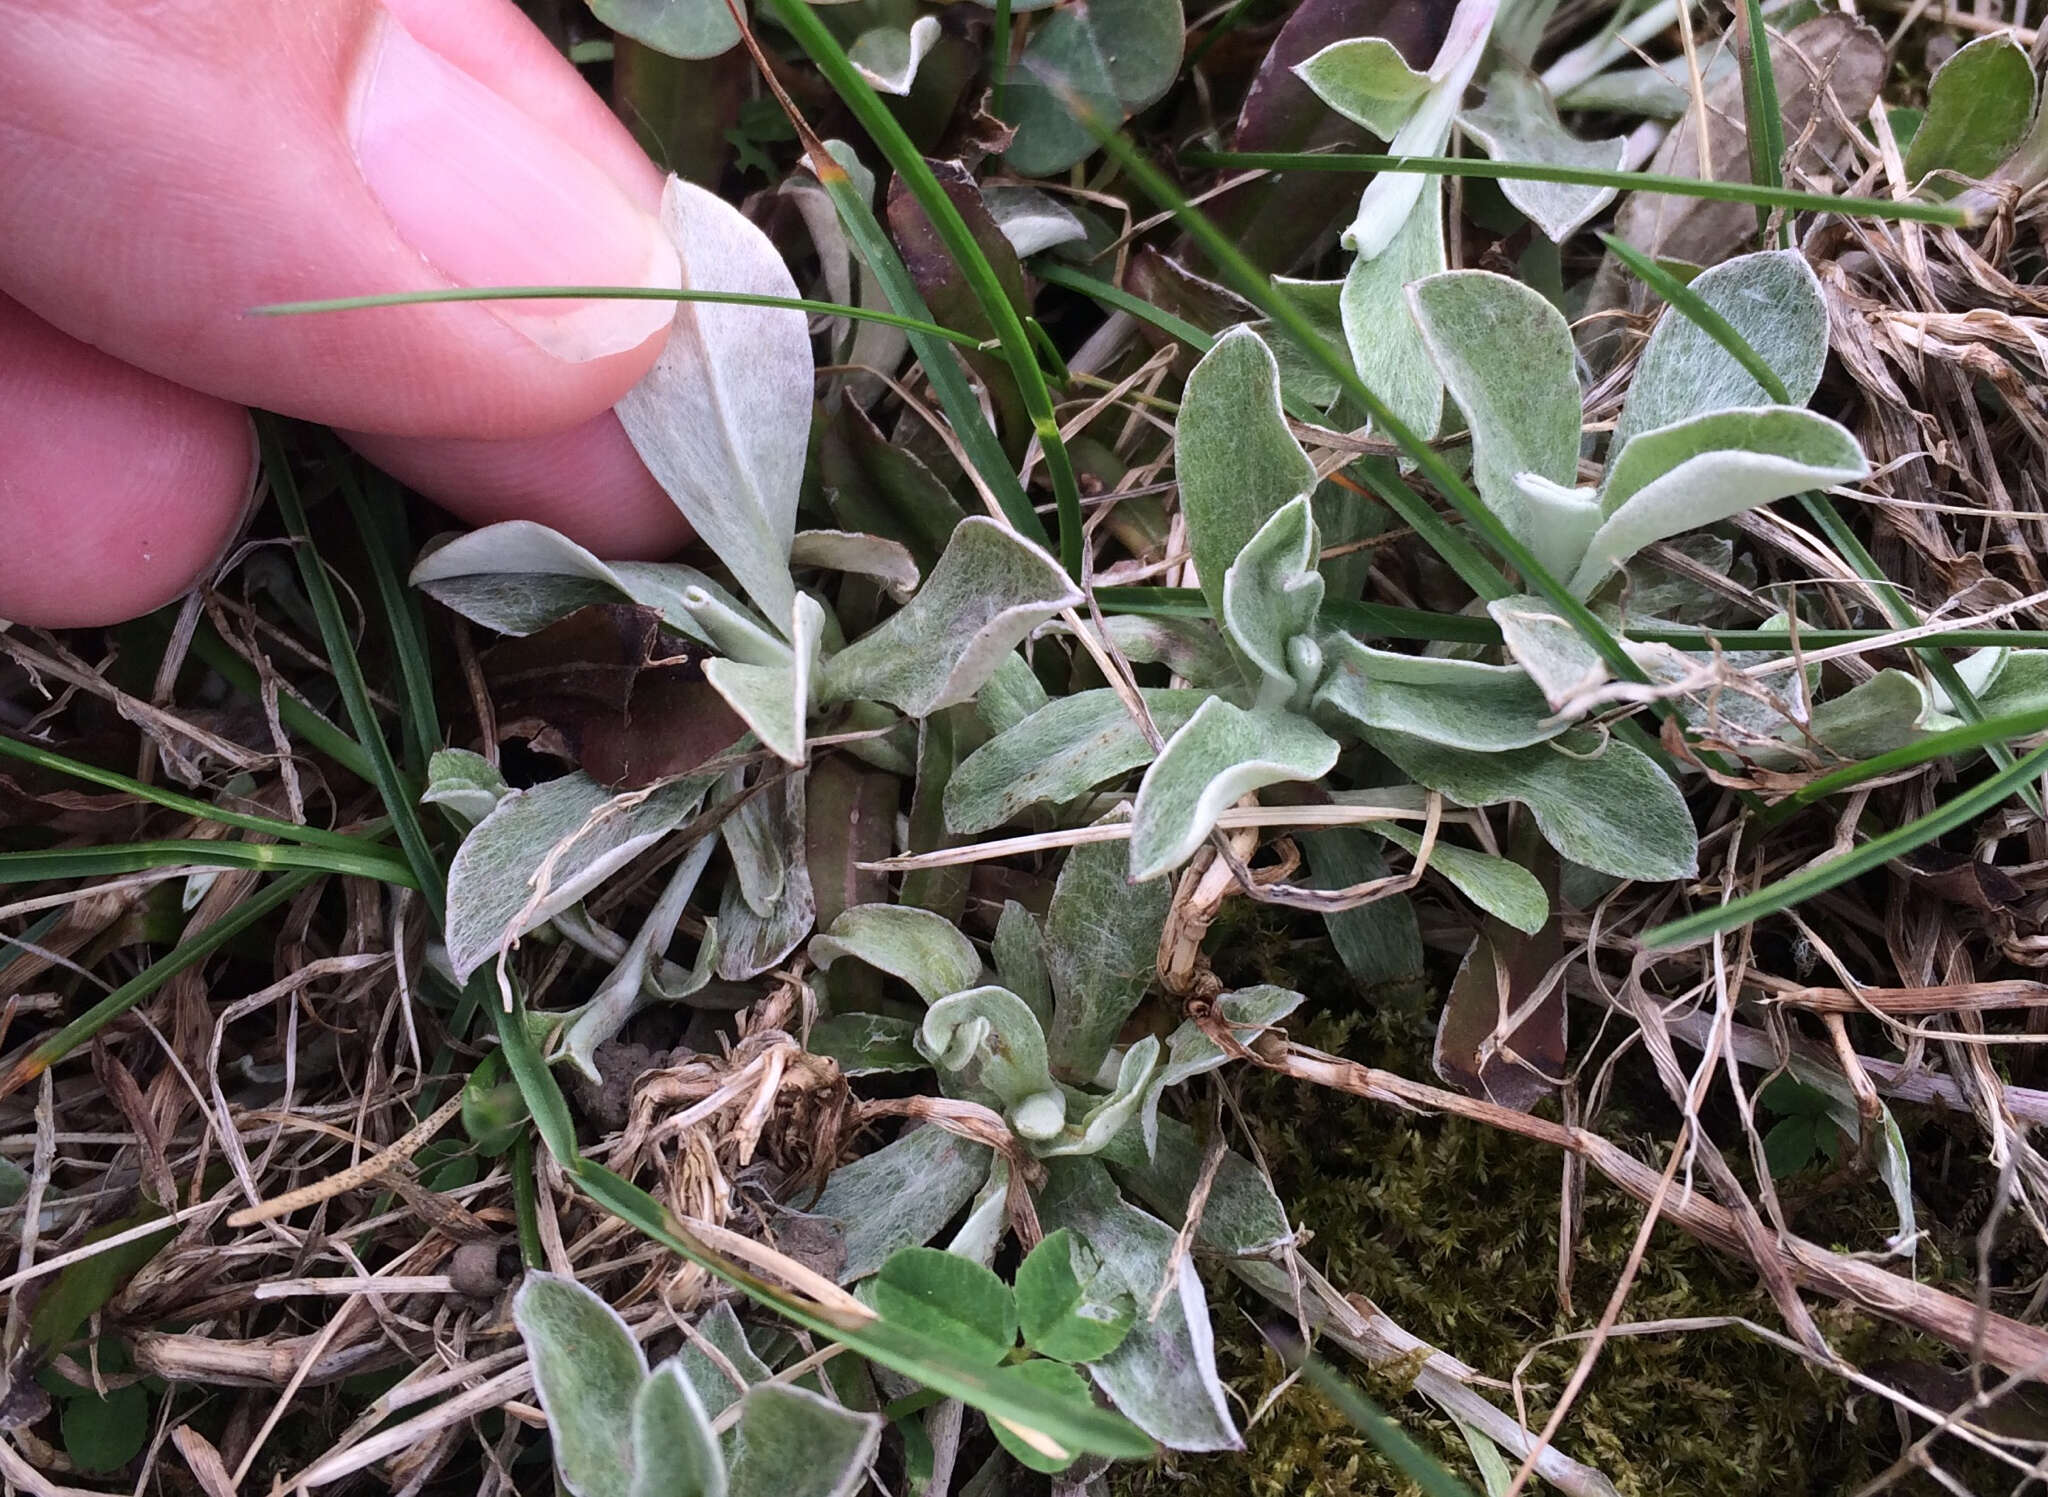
(185, 955)
(398, 796)
(802, 23)
(383, 528)
(909, 324)
(1821, 877)
(1762, 119)
(956, 397)
(132, 857)
(1417, 1464)
(92, 774)
(1525, 171)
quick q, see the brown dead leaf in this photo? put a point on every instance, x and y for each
(1500, 974)
(1832, 53)
(607, 689)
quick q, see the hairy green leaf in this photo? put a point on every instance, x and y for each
(1773, 300)
(1101, 950)
(1063, 750)
(923, 949)
(901, 1195)
(587, 1369)
(543, 849)
(1696, 472)
(1220, 754)
(1163, 1375)
(1271, 594)
(989, 1042)
(722, 418)
(1462, 703)
(1503, 889)
(793, 1443)
(675, 1452)
(1603, 803)
(1518, 122)
(989, 590)
(1386, 347)
(1506, 354)
(1236, 460)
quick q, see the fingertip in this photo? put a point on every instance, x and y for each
(120, 490)
(586, 482)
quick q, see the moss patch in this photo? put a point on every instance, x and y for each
(1452, 1228)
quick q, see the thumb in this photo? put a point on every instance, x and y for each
(165, 168)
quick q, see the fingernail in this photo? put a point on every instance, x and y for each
(489, 197)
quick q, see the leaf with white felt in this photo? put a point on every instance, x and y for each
(1063, 750)
(888, 56)
(924, 949)
(774, 700)
(989, 1041)
(1598, 801)
(1463, 703)
(1519, 123)
(723, 418)
(1163, 1375)
(1506, 355)
(1502, 888)
(988, 591)
(1695, 472)
(1773, 300)
(1366, 79)
(1390, 197)
(1386, 347)
(1271, 594)
(544, 848)
(588, 1370)
(1219, 754)
(1031, 220)
(1235, 458)
(1106, 1118)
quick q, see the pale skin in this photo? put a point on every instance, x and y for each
(167, 165)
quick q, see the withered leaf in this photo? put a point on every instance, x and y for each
(608, 689)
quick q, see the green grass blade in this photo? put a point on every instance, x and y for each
(1763, 123)
(956, 397)
(1820, 877)
(382, 523)
(92, 774)
(922, 325)
(1117, 299)
(185, 955)
(1394, 1442)
(999, 59)
(398, 796)
(173, 852)
(1529, 171)
(802, 23)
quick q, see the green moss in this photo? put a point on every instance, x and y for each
(1452, 1228)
